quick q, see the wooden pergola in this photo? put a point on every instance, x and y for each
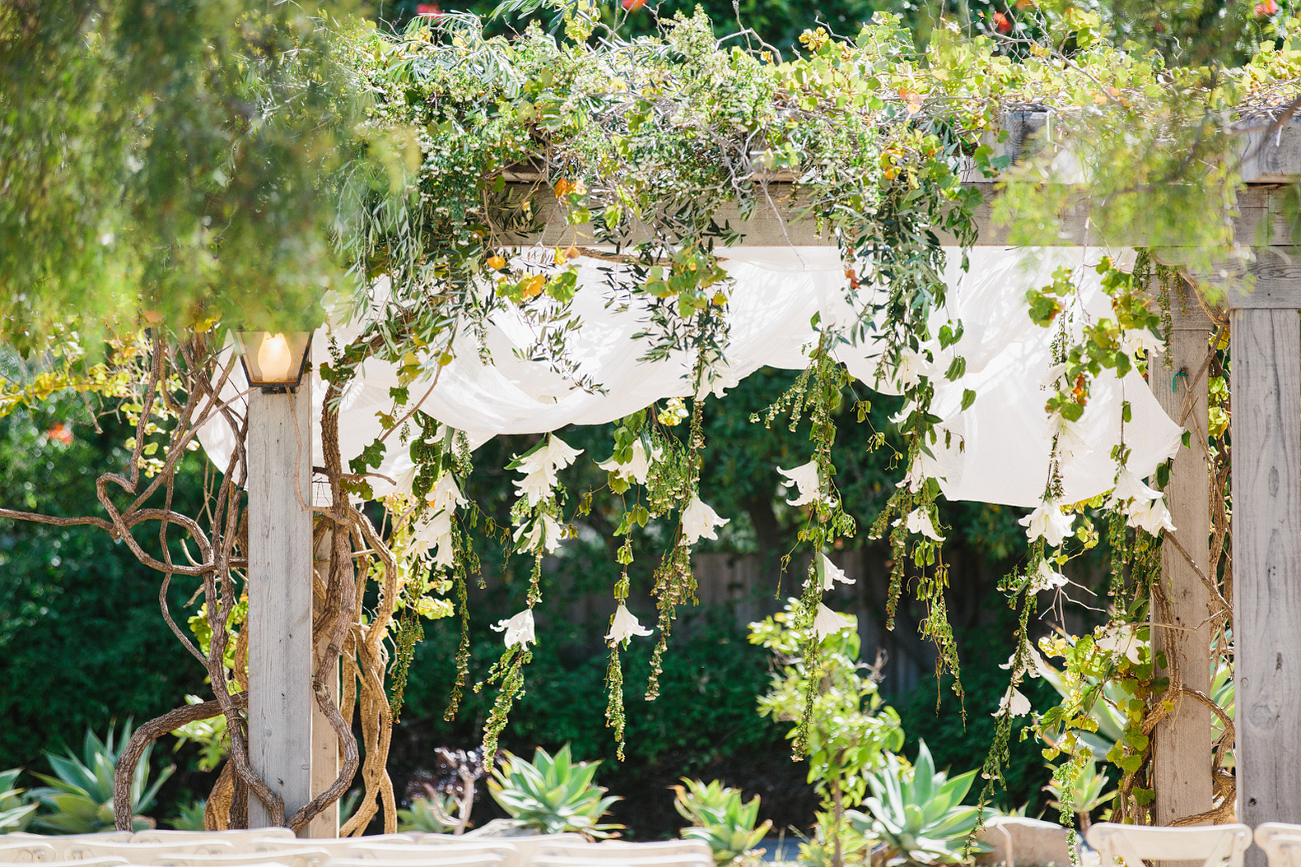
(1265, 329)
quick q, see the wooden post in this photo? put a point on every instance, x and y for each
(280, 706)
(1266, 482)
(325, 743)
(1182, 763)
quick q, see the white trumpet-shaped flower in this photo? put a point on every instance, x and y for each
(543, 535)
(807, 479)
(1129, 487)
(919, 521)
(1036, 668)
(914, 478)
(831, 573)
(637, 468)
(1047, 522)
(1151, 515)
(445, 495)
(540, 466)
(1070, 442)
(519, 629)
(699, 521)
(624, 626)
(1013, 703)
(434, 531)
(827, 622)
(1122, 641)
(1046, 578)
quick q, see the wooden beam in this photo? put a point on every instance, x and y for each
(1266, 485)
(1180, 610)
(325, 743)
(1267, 216)
(280, 705)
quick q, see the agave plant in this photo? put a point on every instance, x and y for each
(919, 814)
(720, 818)
(433, 814)
(552, 795)
(79, 797)
(15, 809)
(1086, 792)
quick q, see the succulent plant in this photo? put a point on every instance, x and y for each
(918, 814)
(79, 798)
(720, 818)
(16, 810)
(552, 794)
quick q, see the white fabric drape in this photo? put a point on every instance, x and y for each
(999, 447)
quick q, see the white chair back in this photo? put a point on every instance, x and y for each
(1281, 842)
(231, 836)
(93, 862)
(470, 850)
(1131, 844)
(336, 846)
(302, 857)
(380, 860)
(25, 850)
(143, 853)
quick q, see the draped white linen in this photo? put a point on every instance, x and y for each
(999, 447)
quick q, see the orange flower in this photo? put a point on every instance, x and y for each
(632, 5)
(1003, 23)
(60, 433)
(1266, 8)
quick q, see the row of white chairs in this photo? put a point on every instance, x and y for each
(1214, 845)
(263, 847)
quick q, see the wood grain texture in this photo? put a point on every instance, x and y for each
(325, 743)
(1266, 216)
(1183, 752)
(1266, 484)
(281, 706)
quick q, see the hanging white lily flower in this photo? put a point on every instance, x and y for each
(1151, 515)
(807, 479)
(1037, 668)
(1129, 487)
(554, 454)
(431, 529)
(1070, 442)
(539, 468)
(919, 521)
(1051, 375)
(1047, 522)
(1014, 703)
(1133, 339)
(536, 486)
(543, 535)
(1121, 641)
(519, 629)
(637, 469)
(912, 367)
(827, 622)
(914, 478)
(1046, 578)
(699, 521)
(831, 573)
(445, 495)
(624, 626)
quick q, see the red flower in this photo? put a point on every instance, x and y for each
(633, 5)
(428, 10)
(60, 433)
(1266, 8)
(1003, 24)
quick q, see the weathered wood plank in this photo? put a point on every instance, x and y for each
(1182, 766)
(1266, 484)
(1266, 217)
(325, 743)
(280, 706)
